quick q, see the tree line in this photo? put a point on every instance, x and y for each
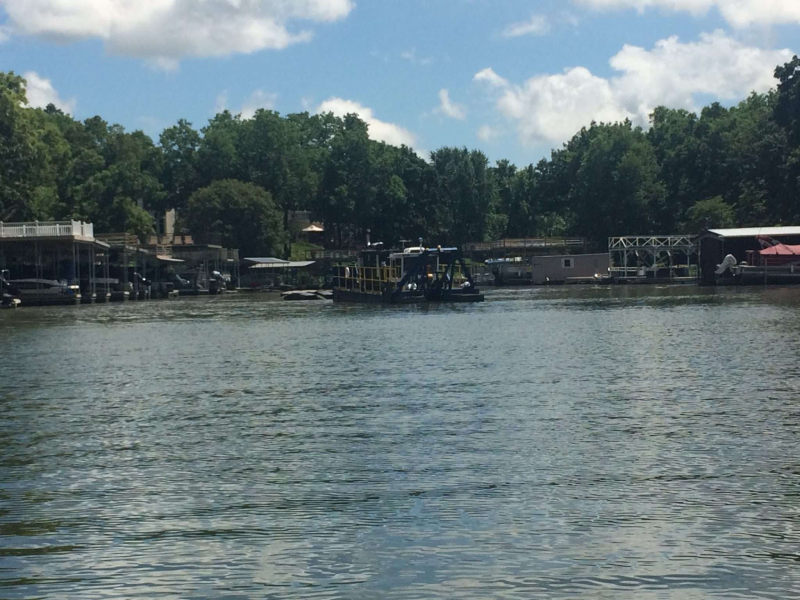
(240, 179)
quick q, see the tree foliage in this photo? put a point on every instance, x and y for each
(240, 179)
(237, 215)
(710, 213)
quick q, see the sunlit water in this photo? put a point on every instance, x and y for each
(558, 443)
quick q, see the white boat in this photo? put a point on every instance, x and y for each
(41, 292)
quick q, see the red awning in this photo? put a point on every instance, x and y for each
(781, 250)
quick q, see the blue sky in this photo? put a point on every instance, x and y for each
(410, 67)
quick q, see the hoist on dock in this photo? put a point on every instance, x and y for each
(412, 275)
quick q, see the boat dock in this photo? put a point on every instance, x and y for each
(67, 263)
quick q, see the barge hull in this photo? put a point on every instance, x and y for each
(403, 298)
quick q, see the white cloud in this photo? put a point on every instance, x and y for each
(569, 19)
(739, 13)
(552, 108)
(673, 73)
(221, 104)
(536, 25)
(378, 130)
(490, 77)
(487, 133)
(258, 99)
(411, 56)
(5, 34)
(448, 108)
(40, 92)
(165, 31)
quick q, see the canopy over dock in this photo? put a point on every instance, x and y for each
(44, 251)
(716, 244)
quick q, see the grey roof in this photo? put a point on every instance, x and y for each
(268, 260)
(284, 265)
(755, 232)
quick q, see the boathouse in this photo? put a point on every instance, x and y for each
(272, 272)
(137, 272)
(569, 268)
(716, 244)
(55, 262)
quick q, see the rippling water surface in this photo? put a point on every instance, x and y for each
(558, 443)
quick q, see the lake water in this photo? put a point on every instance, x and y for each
(556, 443)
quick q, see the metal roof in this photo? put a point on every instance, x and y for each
(755, 232)
(269, 260)
(169, 259)
(284, 265)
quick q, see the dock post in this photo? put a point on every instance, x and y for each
(625, 262)
(37, 263)
(124, 271)
(78, 265)
(144, 274)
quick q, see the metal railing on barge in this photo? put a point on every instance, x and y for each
(526, 244)
(332, 254)
(374, 280)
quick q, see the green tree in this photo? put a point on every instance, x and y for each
(613, 185)
(787, 115)
(17, 149)
(344, 200)
(180, 145)
(787, 109)
(241, 214)
(709, 213)
(465, 194)
(218, 155)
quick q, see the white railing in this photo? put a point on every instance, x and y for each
(522, 243)
(665, 242)
(39, 229)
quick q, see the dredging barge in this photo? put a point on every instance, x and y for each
(409, 276)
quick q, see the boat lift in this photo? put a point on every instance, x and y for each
(421, 275)
(434, 273)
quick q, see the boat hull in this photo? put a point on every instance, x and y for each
(49, 300)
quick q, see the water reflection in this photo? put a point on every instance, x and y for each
(600, 442)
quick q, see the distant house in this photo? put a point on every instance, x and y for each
(560, 269)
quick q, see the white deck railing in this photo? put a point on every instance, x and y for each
(47, 229)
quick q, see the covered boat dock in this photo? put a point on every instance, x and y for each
(760, 255)
(268, 271)
(54, 262)
(653, 258)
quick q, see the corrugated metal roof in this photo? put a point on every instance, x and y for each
(169, 259)
(269, 260)
(755, 232)
(284, 265)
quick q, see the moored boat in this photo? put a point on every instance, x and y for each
(7, 299)
(45, 292)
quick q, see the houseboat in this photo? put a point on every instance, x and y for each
(408, 276)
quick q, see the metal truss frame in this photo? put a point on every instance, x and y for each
(635, 257)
